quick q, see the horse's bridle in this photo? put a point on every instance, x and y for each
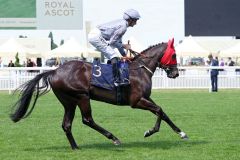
(166, 67)
(142, 63)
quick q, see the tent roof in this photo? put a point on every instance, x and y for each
(216, 45)
(11, 47)
(72, 48)
(233, 51)
(189, 47)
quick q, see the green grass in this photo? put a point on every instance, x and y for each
(211, 120)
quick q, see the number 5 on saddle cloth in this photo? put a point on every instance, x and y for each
(102, 74)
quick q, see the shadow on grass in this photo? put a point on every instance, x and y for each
(154, 145)
(144, 144)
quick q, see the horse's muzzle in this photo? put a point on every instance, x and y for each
(173, 74)
(176, 75)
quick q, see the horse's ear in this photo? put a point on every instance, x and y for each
(171, 43)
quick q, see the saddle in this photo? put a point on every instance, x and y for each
(102, 77)
(102, 74)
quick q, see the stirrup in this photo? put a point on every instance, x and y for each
(116, 83)
(126, 82)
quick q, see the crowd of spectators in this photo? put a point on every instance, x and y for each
(27, 63)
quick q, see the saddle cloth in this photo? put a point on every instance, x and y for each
(102, 75)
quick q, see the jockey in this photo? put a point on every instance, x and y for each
(108, 36)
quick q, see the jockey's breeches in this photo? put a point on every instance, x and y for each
(95, 38)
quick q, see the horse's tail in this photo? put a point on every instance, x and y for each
(27, 91)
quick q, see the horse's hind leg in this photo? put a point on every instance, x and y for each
(67, 125)
(85, 107)
(69, 113)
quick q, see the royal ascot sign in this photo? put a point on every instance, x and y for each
(55, 8)
(59, 14)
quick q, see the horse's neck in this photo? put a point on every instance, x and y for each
(150, 58)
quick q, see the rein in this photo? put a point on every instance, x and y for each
(137, 54)
(143, 64)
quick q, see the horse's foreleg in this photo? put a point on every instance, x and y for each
(151, 106)
(182, 134)
(87, 119)
(156, 127)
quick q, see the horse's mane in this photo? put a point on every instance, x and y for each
(144, 51)
(150, 47)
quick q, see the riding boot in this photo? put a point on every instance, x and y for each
(115, 70)
(116, 74)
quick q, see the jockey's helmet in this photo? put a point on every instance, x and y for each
(131, 14)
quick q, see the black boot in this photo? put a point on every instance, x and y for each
(116, 74)
(115, 70)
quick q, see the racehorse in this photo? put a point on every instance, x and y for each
(71, 85)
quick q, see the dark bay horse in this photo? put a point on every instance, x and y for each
(71, 85)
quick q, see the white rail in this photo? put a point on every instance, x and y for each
(189, 77)
(12, 77)
(198, 77)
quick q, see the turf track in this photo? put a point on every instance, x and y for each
(210, 119)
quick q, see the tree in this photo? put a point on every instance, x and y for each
(16, 63)
(53, 45)
(62, 42)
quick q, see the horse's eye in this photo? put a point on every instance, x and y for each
(174, 56)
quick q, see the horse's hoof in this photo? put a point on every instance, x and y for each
(75, 148)
(116, 142)
(183, 136)
(147, 134)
